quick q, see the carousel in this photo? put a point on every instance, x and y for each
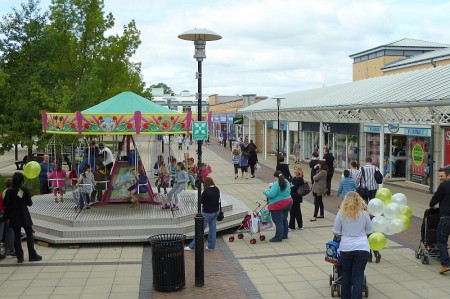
(126, 116)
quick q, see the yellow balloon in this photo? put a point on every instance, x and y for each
(32, 170)
(385, 195)
(406, 222)
(377, 241)
(406, 211)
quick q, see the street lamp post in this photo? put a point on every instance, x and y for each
(278, 130)
(199, 37)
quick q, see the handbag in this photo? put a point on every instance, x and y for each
(304, 189)
(220, 216)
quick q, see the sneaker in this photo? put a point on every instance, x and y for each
(166, 206)
(290, 229)
(207, 248)
(300, 228)
(174, 208)
(87, 207)
(253, 176)
(187, 248)
(444, 269)
(35, 258)
(378, 259)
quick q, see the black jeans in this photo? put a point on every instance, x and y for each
(43, 186)
(443, 232)
(353, 266)
(329, 177)
(295, 214)
(252, 168)
(18, 242)
(318, 204)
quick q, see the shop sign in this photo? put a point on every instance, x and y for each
(238, 120)
(373, 129)
(417, 161)
(216, 118)
(416, 132)
(230, 118)
(326, 128)
(393, 128)
(446, 146)
(223, 118)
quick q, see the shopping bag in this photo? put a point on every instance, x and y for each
(257, 167)
(254, 224)
(265, 216)
(331, 253)
(265, 225)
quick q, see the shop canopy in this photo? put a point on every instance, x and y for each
(416, 97)
(126, 114)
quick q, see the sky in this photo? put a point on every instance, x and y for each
(268, 47)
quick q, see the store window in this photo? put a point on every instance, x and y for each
(419, 160)
(311, 143)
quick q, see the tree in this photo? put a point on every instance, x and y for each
(167, 89)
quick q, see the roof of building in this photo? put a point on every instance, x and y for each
(436, 55)
(405, 43)
(422, 88)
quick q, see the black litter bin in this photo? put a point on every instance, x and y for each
(168, 262)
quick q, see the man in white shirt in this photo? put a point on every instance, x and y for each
(107, 154)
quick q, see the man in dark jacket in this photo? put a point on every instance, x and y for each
(329, 158)
(442, 196)
(17, 201)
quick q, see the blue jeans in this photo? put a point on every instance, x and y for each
(443, 232)
(279, 218)
(210, 220)
(353, 265)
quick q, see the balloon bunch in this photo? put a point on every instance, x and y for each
(391, 216)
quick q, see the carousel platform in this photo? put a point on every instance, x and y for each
(60, 223)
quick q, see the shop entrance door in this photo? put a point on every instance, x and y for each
(398, 157)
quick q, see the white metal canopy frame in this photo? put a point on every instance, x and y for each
(416, 97)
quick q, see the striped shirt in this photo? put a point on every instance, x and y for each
(368, 180)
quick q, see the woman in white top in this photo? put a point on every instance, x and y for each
(353, 224)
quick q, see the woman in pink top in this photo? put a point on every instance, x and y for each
(57, 179)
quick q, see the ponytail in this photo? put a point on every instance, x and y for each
(281, 179)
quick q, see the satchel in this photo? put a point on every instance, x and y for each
(220, 216)
(378, 176)
(363, 192)
(304, 189)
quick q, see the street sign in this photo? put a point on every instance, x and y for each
(200, 130)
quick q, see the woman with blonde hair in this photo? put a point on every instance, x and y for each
(297, 199)
(353, 224)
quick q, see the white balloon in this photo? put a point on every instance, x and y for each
(379, 224)
(375, 207)
(388, 230)
(396, 225)
(391, 211)
(400, 199)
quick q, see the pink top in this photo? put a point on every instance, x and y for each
(57, 178)
(165, 177)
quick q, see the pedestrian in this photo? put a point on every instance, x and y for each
(354, 171)
(101, 178)
(187, 141)
(236, 159)
(284, 168)
(366, 179)
(46, 167)
(352, 224)
(243, 162)
(296, 151)
(181, 181)
(2, 223)
(252, 159)
(57, 180)
(231, 139)
(297, 199)
(319, 188)
(86, 184)
(331, 164)
(180, 142)
(210, 211)
(346, 185)
(163, 180)
(224, 138)
(312, 164)
(442, 197)
(279, 204)
(17, 200)
(8, 231)
(108, 158)
(140, 186)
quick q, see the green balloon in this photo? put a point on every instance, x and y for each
(385, 195)
(406, 222)
(32, 170)
(377, 241)
(406, 211)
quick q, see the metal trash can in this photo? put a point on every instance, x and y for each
(168, 262)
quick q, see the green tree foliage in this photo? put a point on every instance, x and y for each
(167, 89)
(61, 60)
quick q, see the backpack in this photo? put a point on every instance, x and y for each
(378, 176)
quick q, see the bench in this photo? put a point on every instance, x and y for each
(20, 164)
(39, 157)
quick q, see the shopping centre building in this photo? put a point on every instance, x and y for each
(396, 111)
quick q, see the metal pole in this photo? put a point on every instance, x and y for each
(199, 219)
(278, 133)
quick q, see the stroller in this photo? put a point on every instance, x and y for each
(332, 256)
(428, 240)
(254, 223)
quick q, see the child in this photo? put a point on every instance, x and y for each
(73, 176)
(346, 185)
(163, 178)
(180, 142)
(206, 170)
(244, 165)
(190, 172)
(56, 178)
(181, 180)
(85, 183)
(157, 167)
(101, 177)
(139, 187)
(236, 158)
(173, 171)
(187, 141)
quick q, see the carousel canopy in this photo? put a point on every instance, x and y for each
(127, 102)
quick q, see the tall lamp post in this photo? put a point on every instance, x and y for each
(278, 131)
(199, 37)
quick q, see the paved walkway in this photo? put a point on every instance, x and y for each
(294, 268)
